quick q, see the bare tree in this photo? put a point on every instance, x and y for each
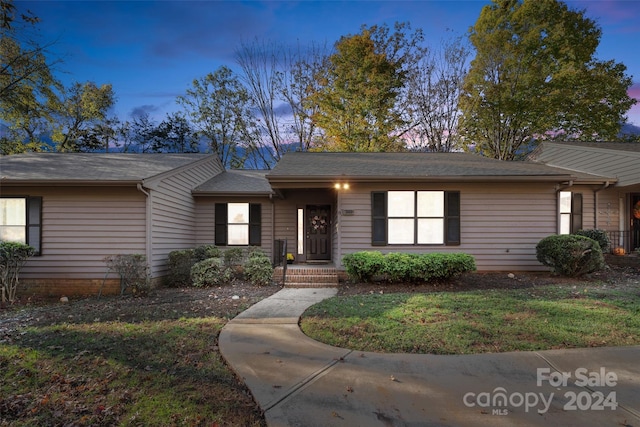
(297, 81)
(261, 64)
(434, 90)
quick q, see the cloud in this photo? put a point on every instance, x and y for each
(143, 110)
(634, 91)
(621, 15)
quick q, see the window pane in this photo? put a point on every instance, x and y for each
(401, 231)
(431, 204)
(565, 202)
(13, 211)
(238, 234)
(430, 231)
(300, 248)
(238, 213)
(400, 203)
(13, 233)
(565, 223)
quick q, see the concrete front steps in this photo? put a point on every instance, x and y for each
(308, 276)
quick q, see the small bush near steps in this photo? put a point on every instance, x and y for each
(210, 272)
(225, 266)
(570, 255)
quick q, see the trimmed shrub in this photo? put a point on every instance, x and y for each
(234, 256)
(203, 252)
(13, 256)
(133, 271)
(258, 270)
(441, 266)
(363, 266)
(599, 236)
(403, 267)
(570, 255)
(398, 267)
(210, 272)
(180, 263)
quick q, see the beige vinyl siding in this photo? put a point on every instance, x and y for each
(173, 219)
(500, 223)
(205, 219)
(598, 161)
(81, 226)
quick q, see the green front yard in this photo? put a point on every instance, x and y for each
(482, 321)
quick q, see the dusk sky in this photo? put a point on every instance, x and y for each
(150, 51)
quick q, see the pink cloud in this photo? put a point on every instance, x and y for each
(620, 16)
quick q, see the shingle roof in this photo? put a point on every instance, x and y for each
(241, 182)
(408, 166)
(619, 145)
(90, 167)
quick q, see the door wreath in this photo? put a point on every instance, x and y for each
(636, 210)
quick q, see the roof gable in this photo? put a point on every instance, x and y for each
(236, 182)
(618, 160)
(91, 168)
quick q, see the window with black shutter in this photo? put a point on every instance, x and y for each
(21, 221)
(238, 224)
(415, 217)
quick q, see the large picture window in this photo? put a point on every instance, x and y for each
(20, 220)
(415, 218)
(238, 224)
(570, 207)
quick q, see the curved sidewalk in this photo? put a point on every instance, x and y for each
(300, 382)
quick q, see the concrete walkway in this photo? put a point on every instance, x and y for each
(300, 382)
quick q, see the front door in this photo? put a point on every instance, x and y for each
(635, 221)
(318, 232)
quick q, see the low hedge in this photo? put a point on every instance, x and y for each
(570, 255)
(404, 267)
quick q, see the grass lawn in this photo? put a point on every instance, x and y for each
(129, 362)
(483, 321)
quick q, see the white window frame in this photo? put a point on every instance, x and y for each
(412, 222)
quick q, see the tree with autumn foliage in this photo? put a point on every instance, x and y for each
(535, 76)
(360, 89)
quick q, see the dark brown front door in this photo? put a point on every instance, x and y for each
(635, 221)
(318, 228)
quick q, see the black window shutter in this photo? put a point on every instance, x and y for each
(221, 224)
(34, 223)
(576, 212)
(255, 222)
(378, 218)
(452, 218)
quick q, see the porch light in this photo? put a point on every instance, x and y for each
(341, 186)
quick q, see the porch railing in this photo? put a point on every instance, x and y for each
(628, 239)
(280, 257)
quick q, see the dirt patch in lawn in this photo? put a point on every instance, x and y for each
(160, 304)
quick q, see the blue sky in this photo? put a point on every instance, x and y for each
(150, 51)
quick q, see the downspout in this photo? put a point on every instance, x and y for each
(595, 203)
(148, 228)
(273, 226)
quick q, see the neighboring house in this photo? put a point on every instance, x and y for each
(618, 201)
(77, 209)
